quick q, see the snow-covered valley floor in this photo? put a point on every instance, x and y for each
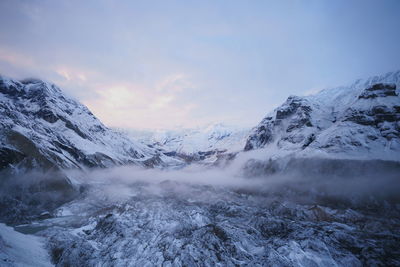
(129, 217)
(21, 250)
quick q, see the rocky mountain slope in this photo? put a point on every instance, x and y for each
(360, 121)
(40, 127)
(196, 144)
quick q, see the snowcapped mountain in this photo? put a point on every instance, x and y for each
(360, 121)
(316, 212)
(198, 143)
(42, 127)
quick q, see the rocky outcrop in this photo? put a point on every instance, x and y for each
(379, 90)
(293, 114)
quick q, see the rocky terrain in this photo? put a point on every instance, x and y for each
(277, 221)
(316, 184)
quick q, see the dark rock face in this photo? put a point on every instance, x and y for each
(385, 118)
(374, 117)
(295, 111)
(298, 110)
(48, 115)
(379, 90)
(33, 156)
(309, 140)
(9, 156)
(260, 137)
(292, 104)
(11, 89)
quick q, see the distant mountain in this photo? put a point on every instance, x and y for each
(359, 121)
(40, 127)
(204, 143)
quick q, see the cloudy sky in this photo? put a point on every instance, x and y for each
(162, 64)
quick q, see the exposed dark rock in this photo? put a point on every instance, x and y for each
(290, 107)
(376, 116)
(379, 90)
(309, 140)
(154, 161)
(9, 156)
(48, 115)
(33, 155)
(261, 136)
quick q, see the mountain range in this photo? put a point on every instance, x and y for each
(43, 127)
(315, 183)
(201, 144)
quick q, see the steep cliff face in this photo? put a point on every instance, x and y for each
(42, 127)
(360, 120)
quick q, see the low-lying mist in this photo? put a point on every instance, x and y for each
(339, 212)
(332, 183)
(25, 196)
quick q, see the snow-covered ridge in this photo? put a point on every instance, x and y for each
(42, 127)
(361, 120)
(202, 141)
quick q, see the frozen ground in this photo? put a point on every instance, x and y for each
(21, 250)
(130, 217)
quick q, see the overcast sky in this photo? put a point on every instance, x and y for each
(163, 64)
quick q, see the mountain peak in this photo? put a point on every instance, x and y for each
(43, 127)
(359, 120)
(31, 88)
